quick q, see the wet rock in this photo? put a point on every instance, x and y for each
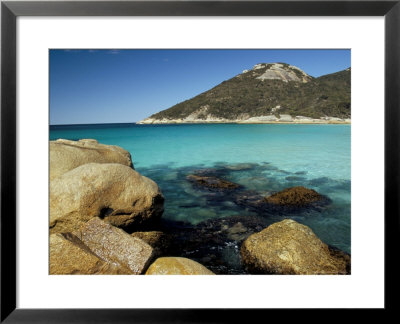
(254, 182)
(207, 172)
(296, 197)
(253, 201)
(241, 166)
(237, 232)
(342, 185)
(68, 255)
(288, 247)
(116, 246)
(66, 155)
(289, 201)
(170, 176)
(114, 192)
(211, 182)
(206, 259)
(319, 181)
(248, 197)
(177, 266)
(158, 240)
(193, 205)
(237, 228)
(269, 166)
(294, 178)
(339, 254)
(212, 242)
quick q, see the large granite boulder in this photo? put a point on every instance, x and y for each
(211, 182)
(116, 246)
(66, 155)
(114, 192)
(288, 247)
(68, 255)
(296, 197)
(177, 266)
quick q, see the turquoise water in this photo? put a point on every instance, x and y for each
(276, 157)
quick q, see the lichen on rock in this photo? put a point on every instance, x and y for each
(114, 192)
(177, 266)
(296, 197)
(116, 246)
(68, 255)
(288, 247)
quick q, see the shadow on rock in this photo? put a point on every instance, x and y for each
(214, 243)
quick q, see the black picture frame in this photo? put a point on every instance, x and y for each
(10, 10)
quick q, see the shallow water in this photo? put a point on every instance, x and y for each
(261, 158)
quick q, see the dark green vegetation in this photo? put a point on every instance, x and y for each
(246, 96)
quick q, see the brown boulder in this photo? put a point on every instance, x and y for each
(211, 182)
(288, 247)
(296, 197)
(68, 255)
(113, 192)
(177, 266)
(116, 246)
(66, 155)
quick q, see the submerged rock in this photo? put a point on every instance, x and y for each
(209, 172)
(295, 178)
(212, 182)
(296, 197)
(287, 202)
(241, 166)
(68, 255)
(250, 199)
(177, 266)
(237, 232)
(288, 247)
(215, 242)
(116, 246)
(114, 192)
(319, 181)
(66, 155)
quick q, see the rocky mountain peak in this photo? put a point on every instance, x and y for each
(267, 92)
(278, 71)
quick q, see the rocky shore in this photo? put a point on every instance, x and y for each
(268, 119)
(106, 218)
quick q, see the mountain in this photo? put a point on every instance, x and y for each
(269, 92)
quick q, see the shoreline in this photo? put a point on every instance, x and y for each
(325, 122)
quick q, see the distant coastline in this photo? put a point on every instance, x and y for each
(318, 122)
(249, 123)
(270, 93)
(253, 120)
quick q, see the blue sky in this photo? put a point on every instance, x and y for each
(112, 86)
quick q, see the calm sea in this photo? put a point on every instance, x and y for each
(262, 158)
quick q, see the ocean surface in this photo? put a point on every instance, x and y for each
(263, 158)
